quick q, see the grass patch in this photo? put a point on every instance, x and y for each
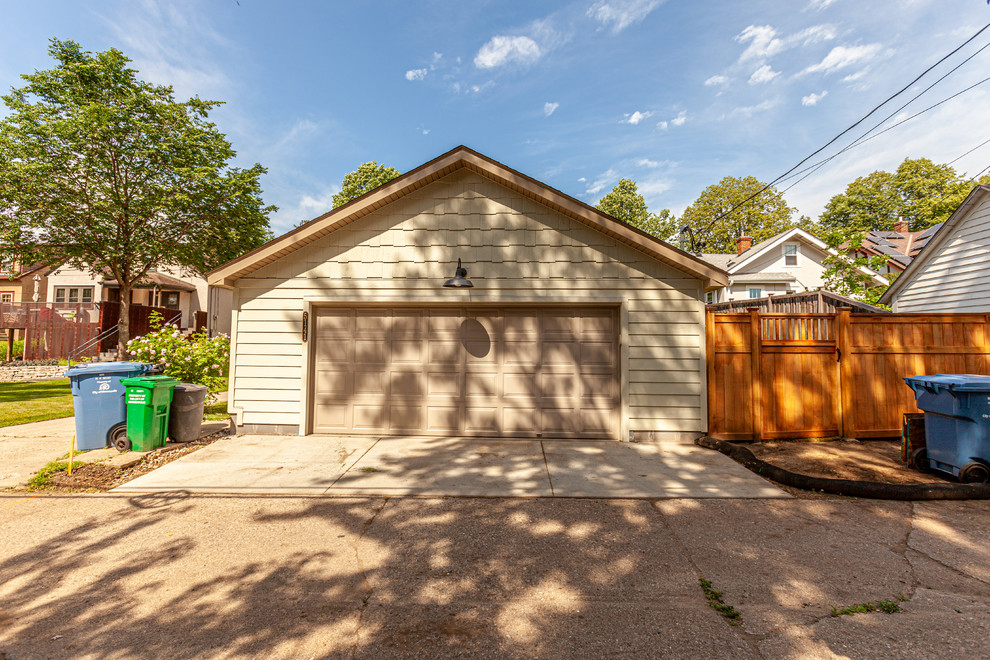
(220, 387)
(887, 606)
(714, 599)
(44, 477)
(33, 402)
(215, 412)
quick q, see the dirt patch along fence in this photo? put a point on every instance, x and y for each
(819, 375)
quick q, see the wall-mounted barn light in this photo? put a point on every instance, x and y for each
(459, 280)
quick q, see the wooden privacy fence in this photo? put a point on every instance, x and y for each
(49, 330)
(819, 375)
(139, 317)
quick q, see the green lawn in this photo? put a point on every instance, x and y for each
(33, 402)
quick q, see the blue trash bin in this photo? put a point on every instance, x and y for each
(98, 400)
(957, 423)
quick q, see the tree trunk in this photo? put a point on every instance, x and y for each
(124, 322)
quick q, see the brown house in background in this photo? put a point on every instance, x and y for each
(19, 283)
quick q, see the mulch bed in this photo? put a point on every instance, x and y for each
(99, 477)
(863, 460)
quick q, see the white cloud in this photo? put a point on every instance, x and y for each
(620, 14)
(636, 117)
(764, 41)
(582, 180)
(853, 77)
(763, 75)
(646, 162)
(842, 56)
(502, 50)
(437, 57)
(818, 5)
(170, 45)
(716, 80)
(599, 184)
(679, 120)
(813, 99)
(548, 108)
(653, 188)
(415, 74)
(750, 110)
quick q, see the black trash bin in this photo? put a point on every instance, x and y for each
(186, 414)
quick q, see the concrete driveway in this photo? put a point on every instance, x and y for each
(332, 465)
(26, 448)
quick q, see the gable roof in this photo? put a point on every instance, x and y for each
(456, 159)
(735, 262)
(935, 241)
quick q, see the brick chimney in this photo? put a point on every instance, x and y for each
(902, 226)
(743, 243)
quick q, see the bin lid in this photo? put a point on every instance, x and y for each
(952, 382)
(150, 382)
(100, 368)
(189, 387)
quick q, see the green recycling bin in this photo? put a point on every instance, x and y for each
(148, 401)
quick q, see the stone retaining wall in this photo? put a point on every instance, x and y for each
(11, 374)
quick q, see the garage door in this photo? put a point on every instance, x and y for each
(515, 371)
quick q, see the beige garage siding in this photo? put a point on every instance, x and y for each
(516, 251)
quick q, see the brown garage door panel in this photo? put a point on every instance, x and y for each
(468, 371)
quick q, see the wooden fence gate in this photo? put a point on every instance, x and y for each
(820, 375)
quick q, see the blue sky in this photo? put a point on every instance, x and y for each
(675, 95)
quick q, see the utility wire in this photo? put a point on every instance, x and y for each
(854, 125)
(863, 138)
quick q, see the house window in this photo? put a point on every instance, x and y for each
(755, 293)
(6, 297)
(791, 254)
(74, 294)
(710, 297)
(6, 265)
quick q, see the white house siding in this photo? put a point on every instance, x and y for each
(515, 250)
(807, 274)
(956, 278)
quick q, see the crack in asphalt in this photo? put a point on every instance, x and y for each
(364, 576)
(750, 639)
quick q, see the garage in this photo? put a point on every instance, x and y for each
(567, 323)
(483, 371)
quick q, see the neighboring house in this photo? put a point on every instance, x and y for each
(790, 262)
(19, 283)
(172, 288)
(952, 274)
(577, 325)
(899, 246)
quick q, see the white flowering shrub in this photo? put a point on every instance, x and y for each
(196, 359)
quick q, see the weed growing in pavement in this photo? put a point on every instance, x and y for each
(44, 477)
(369, 469)
(887, 606)
(714, 598)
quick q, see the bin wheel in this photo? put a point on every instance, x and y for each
(919, 460)
(974, 473)
(118, 438)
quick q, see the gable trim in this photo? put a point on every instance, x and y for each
(464, 158)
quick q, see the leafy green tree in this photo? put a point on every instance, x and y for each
(762, 217)
(844, 272)
(625, 203)
(105, 171)
(365, 178)
(921, 192)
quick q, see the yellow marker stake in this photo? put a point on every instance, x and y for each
(72, 449)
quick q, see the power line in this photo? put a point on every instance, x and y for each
(854, 125)
(969, 152)
(864, 139)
